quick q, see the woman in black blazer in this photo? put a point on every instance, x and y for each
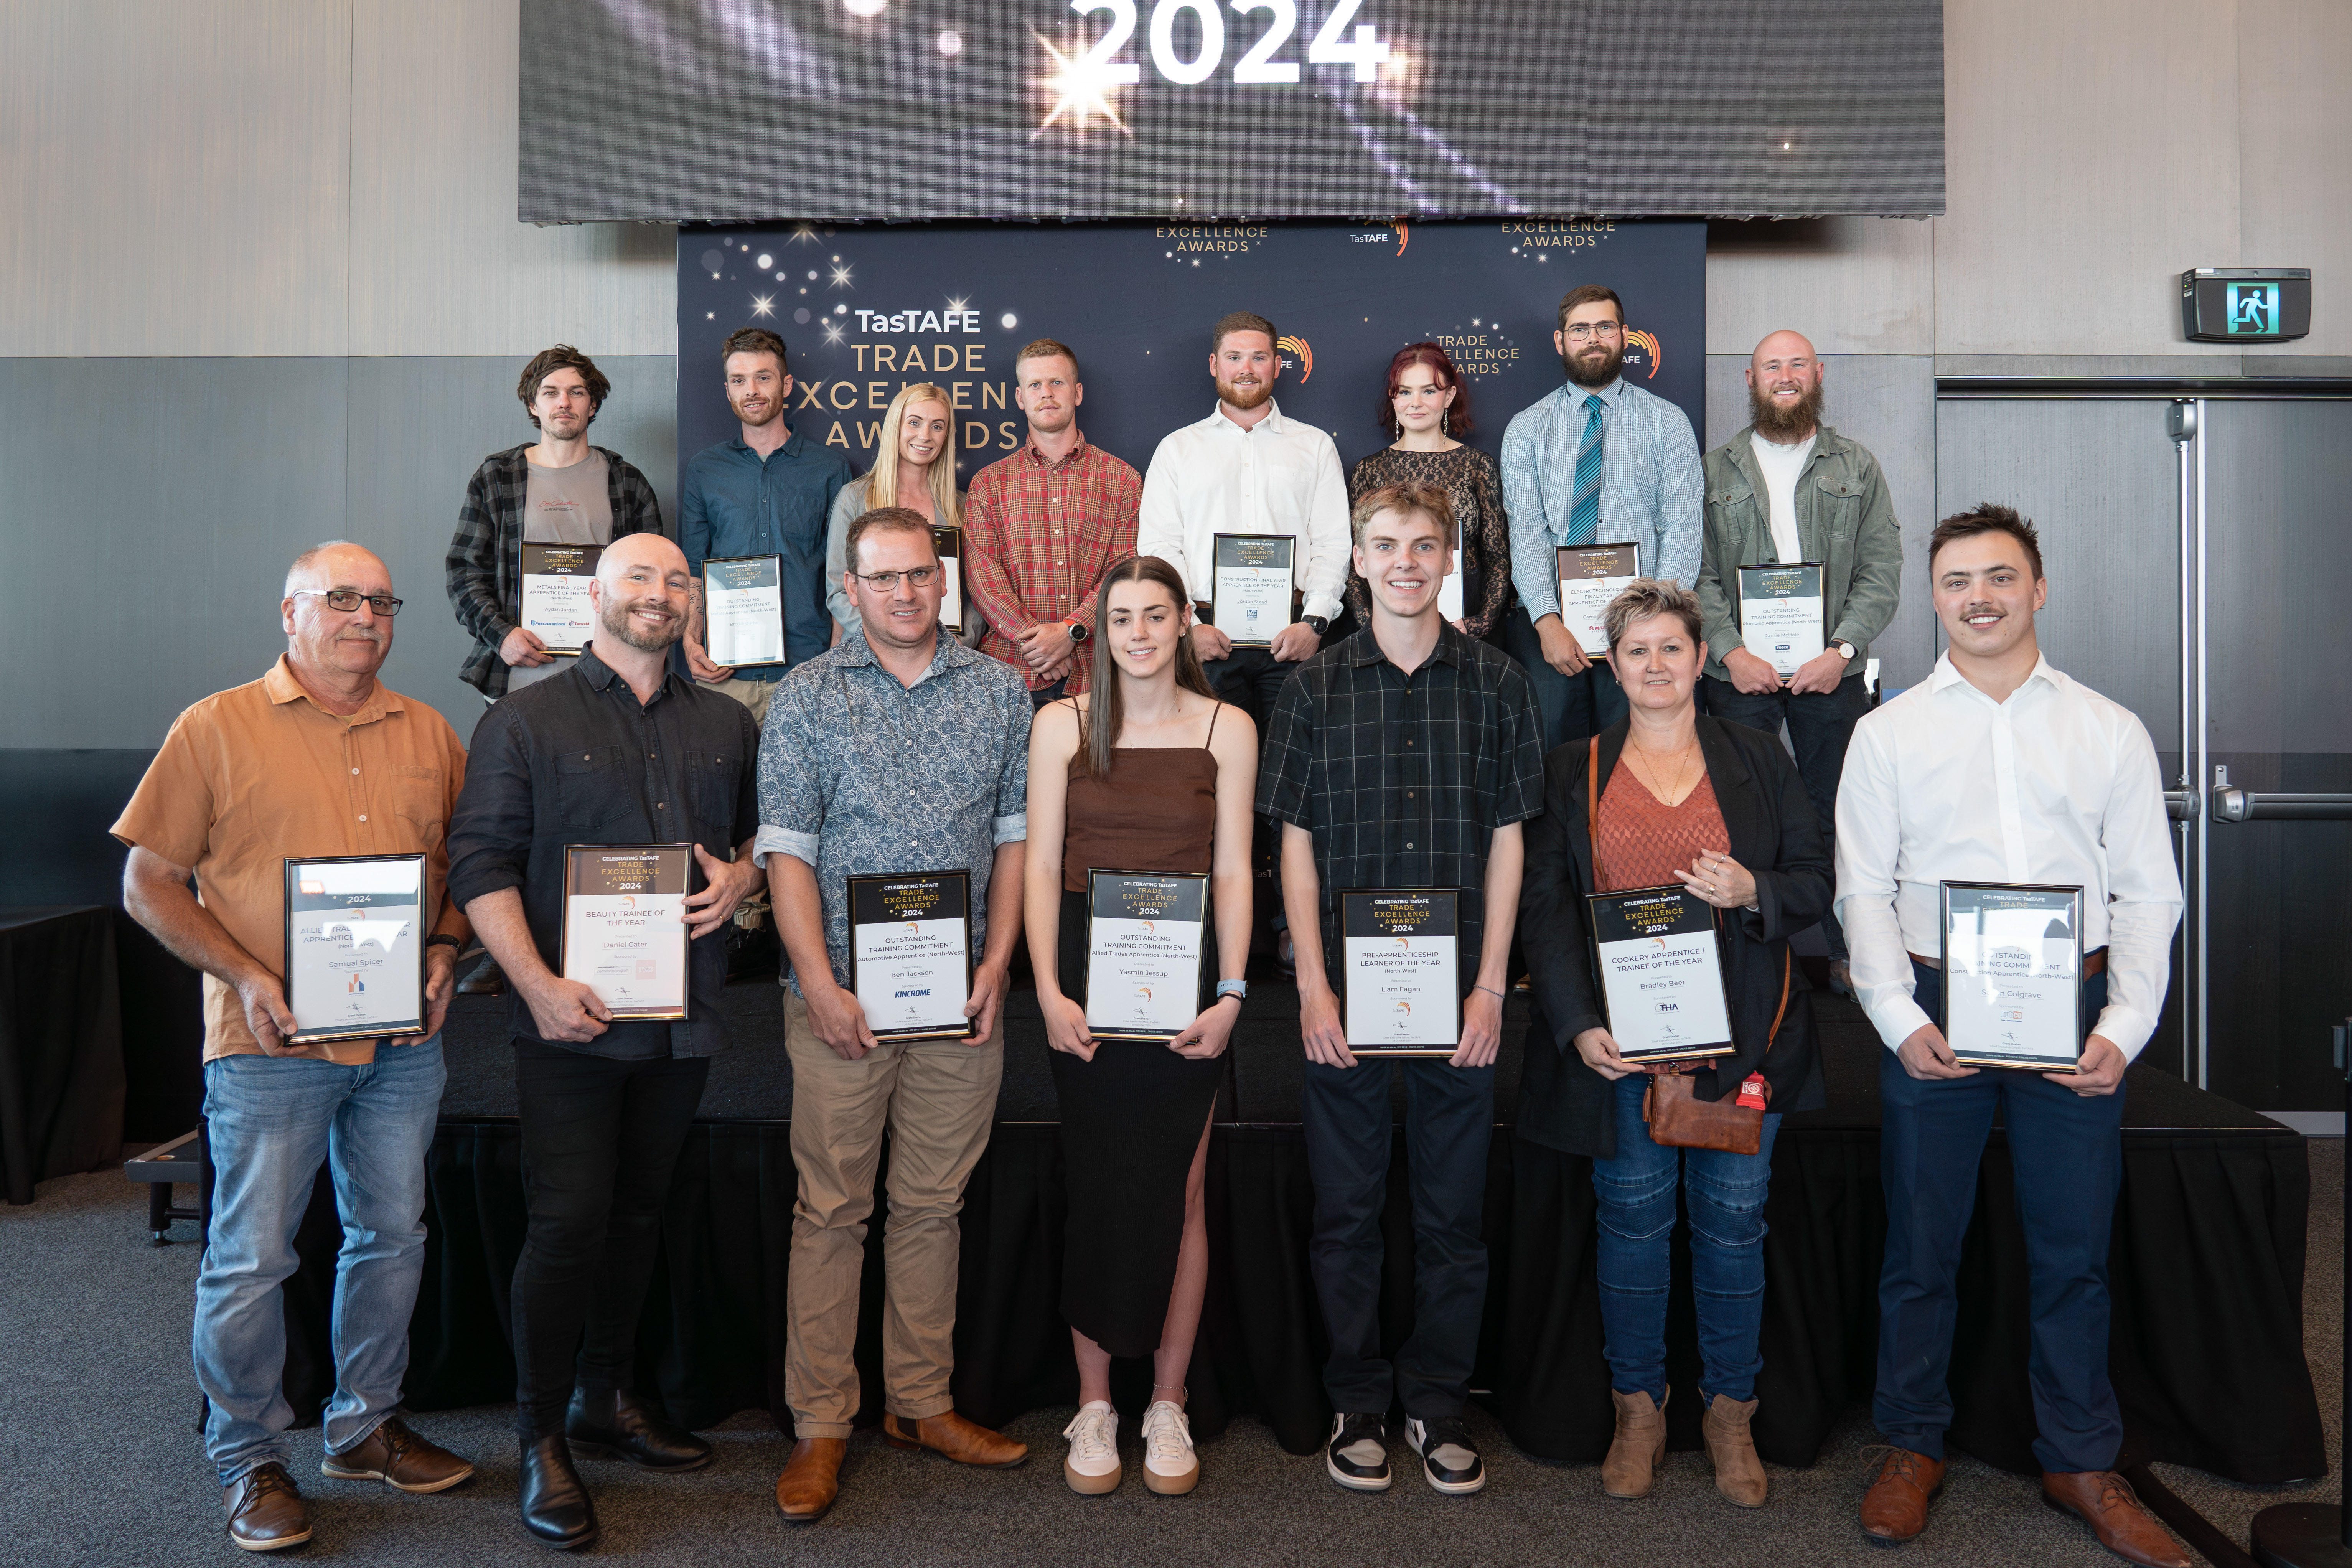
(1720, 809)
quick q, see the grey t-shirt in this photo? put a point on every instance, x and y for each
(564, 506)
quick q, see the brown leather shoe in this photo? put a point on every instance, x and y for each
(951, 1437)
(1739, 1473)
(1894, 1509)
(2105, 1501)
(265, 1512)
(1629, 1469)
(398, 1457)
(811, 1479)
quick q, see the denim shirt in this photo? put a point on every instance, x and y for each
(737, 503)
(579, 760)
(860, 775)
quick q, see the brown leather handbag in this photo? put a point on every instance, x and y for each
(1678, 1118)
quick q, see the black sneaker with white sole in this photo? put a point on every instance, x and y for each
(1358, 1454)
(1448, 1459)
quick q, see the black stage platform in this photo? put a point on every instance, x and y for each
(2208, 1263)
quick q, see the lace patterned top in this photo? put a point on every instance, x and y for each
(1475, 485)
(1644, 841)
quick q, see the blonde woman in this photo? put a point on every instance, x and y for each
(914, 468)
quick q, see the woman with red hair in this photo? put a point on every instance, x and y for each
(1425, 411)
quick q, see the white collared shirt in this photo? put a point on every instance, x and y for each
(1277, 476)
(2058, 785)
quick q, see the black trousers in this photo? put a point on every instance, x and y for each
(1821, 726)
(1449, 1122)
(600, 1141)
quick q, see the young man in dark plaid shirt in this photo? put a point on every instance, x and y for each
(1405, 757)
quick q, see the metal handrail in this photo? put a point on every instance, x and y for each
(2249, 805)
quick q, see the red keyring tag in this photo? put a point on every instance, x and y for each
(1754, 1092)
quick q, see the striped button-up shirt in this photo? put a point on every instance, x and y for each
(1652, 486)
(1038, 537)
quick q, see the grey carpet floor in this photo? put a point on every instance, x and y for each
(100, 1466)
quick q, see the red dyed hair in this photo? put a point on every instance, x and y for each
(1457, 418)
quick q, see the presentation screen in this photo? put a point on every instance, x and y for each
(753, 110)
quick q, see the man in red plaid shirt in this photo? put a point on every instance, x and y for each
(1042, 526)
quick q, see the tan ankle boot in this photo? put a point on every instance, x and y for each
(1739, 1473)
(1630, 1470)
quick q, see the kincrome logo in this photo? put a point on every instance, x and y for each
(1300, 355)
(925, 991)
(1646, 345)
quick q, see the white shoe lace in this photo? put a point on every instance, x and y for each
(1094, 1434)
(1166, 1435)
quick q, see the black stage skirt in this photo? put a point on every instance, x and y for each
(1131, 1120)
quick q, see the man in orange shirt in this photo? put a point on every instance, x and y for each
(315, 759)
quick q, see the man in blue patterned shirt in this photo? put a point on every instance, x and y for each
(898, 751)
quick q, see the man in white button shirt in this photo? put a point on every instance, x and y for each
(1247, 469)
(1788, 487)
(1999, 769)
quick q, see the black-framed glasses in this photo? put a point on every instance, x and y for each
(349, 599)
(883, 581)
(1585, 331)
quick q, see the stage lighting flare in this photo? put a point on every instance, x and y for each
(1081, 88)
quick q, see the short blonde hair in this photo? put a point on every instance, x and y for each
(1430, 501)
(1646, 596)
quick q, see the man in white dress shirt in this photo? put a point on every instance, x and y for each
(1247, 469)
(1999, 769)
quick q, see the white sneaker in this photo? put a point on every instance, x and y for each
(1093, 1465)
(1169, 1467)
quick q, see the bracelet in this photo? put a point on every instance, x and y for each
(1491, 992)
(438, 939)
(1236, 989)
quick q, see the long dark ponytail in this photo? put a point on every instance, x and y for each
(1099, 724)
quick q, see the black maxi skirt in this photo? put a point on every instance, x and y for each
(1131, 1120)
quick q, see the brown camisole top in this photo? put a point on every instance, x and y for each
(1157, 811)
(1642, 841)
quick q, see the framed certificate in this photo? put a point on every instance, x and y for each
(2012, 975)
(910, 953)
(555, 579)
(625, 925)
(355, 946)
(1782, 619)
(948, 543)
(1589, 577)
(1400, 953)
(1249, 586)
(1146, 948)
(743, 610)
(1660, 963)
(1449, 592)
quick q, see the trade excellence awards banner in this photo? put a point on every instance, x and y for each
(868, 309)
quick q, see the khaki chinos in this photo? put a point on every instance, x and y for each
(937, 1099)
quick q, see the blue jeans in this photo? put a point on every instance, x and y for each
(2066, 1156)
(1726, 1194)
(271, 1120)
(1821, 727)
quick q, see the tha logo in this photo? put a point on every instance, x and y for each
(1670, 1007)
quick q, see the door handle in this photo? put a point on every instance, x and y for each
(2181, 804)
(2247, 806)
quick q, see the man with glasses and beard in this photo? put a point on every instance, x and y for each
(619, 748)
(1598, 461)
(1788, 489)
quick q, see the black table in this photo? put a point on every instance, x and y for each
(61, 1078)
(2206, 1263)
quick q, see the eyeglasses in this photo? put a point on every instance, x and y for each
(883, 581)
(349, 599)
(1585, 331)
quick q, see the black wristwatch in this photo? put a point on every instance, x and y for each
(1078, 632)
(1319, 625)
(441, 937)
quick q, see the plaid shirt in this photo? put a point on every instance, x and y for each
(1038, 537)
(1403, 779)
(484, 567)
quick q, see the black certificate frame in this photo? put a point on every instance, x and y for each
(288, 865)
(685, 941)
(594, 554)
(947, 544)
(959, 877)
(1201, 958)
(783, 628)
(1819, 569)
(1289, 542)
(1347, 896)
(1593, 904)
(1944, 963)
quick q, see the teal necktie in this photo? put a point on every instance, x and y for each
(1584, 508)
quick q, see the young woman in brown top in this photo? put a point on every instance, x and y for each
(1146, 771)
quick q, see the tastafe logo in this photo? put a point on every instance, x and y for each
(912, 927)
(1648, 343)
(1143, 993)
(1296, 348)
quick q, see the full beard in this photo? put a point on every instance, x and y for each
(1597, 376)
(1789, 425)
(1246, 398)
(616, 621)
